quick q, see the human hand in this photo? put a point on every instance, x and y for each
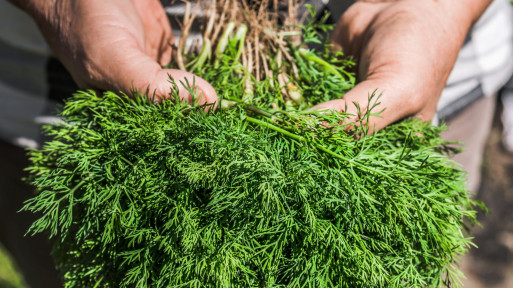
(405, 50)
(116, 45)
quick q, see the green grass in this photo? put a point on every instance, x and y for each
(9, 276)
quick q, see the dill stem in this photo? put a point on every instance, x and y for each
(241, 37)
(325, 65)
(257, 110)
(223, 42)
(206, 51)
(276, 128)
(316, 145)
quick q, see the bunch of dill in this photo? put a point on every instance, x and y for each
(262, 193)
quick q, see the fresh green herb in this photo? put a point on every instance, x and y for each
(262, 193)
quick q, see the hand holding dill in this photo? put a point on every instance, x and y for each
(114, 45)
(404, 49)
(256, 194)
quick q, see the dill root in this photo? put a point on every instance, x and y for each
(257, 194)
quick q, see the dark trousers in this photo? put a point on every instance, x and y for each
(31, 253)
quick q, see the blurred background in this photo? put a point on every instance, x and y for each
(491, 264)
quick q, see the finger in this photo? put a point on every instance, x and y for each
(160, 83)
(159, 35)
(350, 29)
(393, 103)
(165, 51)
(202, 91)
(129, 68)
(165, 44)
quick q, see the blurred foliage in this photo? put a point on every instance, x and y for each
(9, 276)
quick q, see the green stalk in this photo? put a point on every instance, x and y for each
(223, 41)
(316, 145)
(323, 64)
(241, 37)
(276, 128)
(205, 53)
(227, 104)
(257, 110)
(247, 107)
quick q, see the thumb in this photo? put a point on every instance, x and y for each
(161, 87)
(129, 68)
(393, 103)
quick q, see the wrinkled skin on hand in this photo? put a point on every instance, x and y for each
(405, 50)
(114, 45)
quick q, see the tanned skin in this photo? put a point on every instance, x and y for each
(405, 50)
(113, 45)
